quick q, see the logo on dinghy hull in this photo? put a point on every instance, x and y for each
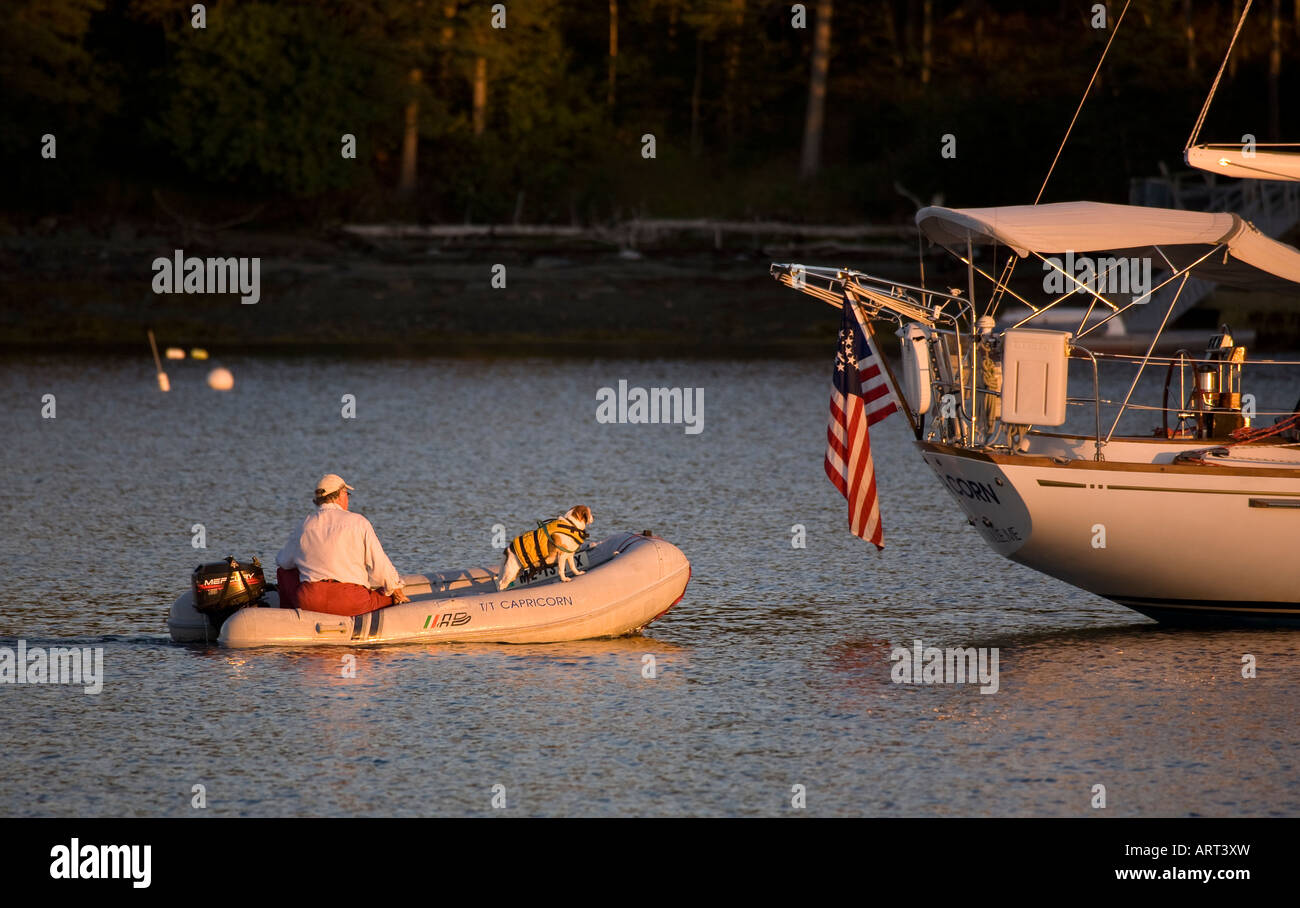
(446, 619)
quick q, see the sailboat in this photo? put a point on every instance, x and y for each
(1197, 523)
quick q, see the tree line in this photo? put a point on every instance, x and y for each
(536, 111)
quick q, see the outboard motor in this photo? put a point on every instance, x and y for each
(221, 588)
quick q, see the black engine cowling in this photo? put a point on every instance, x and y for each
(223, 587)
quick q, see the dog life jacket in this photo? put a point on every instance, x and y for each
(533, 549)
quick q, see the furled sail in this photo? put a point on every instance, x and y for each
(1245, 163)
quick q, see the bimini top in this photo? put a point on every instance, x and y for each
(1249, 260)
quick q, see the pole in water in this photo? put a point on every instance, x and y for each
(163, 384)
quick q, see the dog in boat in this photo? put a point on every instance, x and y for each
(554, 542)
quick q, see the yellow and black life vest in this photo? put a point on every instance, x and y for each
(533, 549)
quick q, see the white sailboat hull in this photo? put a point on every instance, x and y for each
(1182, 543)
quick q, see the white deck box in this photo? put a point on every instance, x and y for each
(1035, 373)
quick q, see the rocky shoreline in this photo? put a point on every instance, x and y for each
(77, 290)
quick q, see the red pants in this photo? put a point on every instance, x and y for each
(287, 583)
(327, 595)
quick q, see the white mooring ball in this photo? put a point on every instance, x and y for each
(220, 379)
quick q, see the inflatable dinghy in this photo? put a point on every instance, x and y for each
(629, 581)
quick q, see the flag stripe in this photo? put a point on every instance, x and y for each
(875, 394)
(861, 396)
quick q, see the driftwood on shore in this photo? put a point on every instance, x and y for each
(639, 231)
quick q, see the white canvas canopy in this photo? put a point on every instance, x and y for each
(1250, 257)
(1234, 161)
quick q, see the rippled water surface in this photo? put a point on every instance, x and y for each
(773, 671)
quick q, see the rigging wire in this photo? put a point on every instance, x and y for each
(996, 298)
(1214, 87)
(1066, 138)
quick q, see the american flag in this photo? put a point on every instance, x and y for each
(861, 396)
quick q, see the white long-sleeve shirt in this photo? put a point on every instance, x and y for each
(334, 544)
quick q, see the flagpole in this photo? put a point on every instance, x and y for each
(902, 399)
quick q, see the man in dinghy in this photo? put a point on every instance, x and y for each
(334, 563)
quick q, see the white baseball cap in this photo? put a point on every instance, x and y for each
(329, 484)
